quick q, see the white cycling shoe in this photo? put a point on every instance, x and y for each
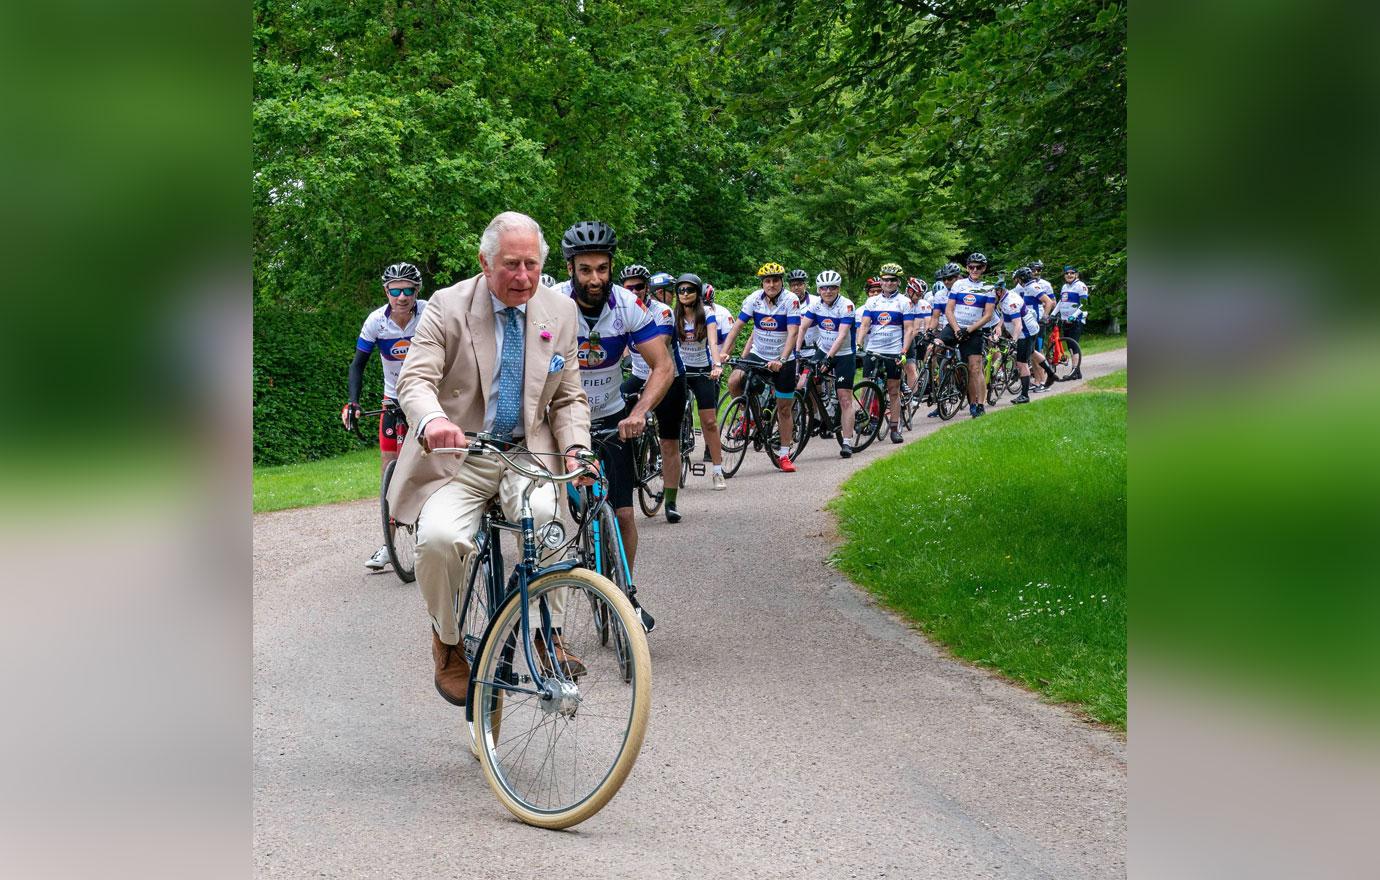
(378, 560)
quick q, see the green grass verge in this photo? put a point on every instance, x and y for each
(346, 477)
(1111, 380)
(1093, 343)
(1012, 566)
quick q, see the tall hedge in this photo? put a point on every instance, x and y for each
(301, 371)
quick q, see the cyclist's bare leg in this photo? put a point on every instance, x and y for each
(910, 372)
(709, 426)
(735, 383)
(627, 524)
(976, 392)
(783, 420)
(893, 396)
(670, 463)
(846, 402)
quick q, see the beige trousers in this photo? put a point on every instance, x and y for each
(449, 522)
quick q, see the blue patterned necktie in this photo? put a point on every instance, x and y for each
(509, 376)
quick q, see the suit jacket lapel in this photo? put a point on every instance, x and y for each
(536, 357)
(479, 320)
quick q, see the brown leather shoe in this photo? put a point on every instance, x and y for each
(452, 670)
(570, 664)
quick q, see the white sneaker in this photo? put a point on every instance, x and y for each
(719, 481)
(378, 560)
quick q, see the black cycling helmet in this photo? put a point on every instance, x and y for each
(939, 275)
(636, 270)
(797, 275)
(589, 237)
(1037, 264)
(950, 270)
(690, 278)
(977, 257)
(402, 272)
(1023, 274)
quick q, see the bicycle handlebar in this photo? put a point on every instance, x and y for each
(486, 444)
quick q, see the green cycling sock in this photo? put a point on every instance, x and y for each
(671, 496)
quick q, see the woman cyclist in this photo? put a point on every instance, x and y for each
(698, 333)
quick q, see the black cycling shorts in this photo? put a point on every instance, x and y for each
(1072, 329)
(845, 365)
(616, 459)
(1024, 347)
(783, 380)
(970, 347)
(887, 364)
(670, 412)
(705, 389)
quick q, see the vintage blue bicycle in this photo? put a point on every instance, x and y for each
(560, 680)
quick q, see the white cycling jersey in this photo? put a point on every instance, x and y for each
(694, 352)
(831, 321)
(723, 320)
(1019, 317)
(392, 341)
(770, 322)
(889, 315)
(812, 334)
(1073, 301)
(1034, 289)
(939, 300)
(969, 298)
(623, 323)
(665, 321)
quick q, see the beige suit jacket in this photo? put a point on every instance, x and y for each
(450, 365)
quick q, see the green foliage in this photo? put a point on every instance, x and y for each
(301, 369)
(964, 560)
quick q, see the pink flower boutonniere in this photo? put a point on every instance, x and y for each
(546, 334)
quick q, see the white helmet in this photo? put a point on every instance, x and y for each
(828, 278)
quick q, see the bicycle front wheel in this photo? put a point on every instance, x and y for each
(650, 484)
(869, 400)
(953, 388)
(399, 538)
(733, 434)
(554, 761)
(1071, 361)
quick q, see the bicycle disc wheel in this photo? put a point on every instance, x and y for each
(650, 484)
(399, 538)
(733, 434)
(868, 399)
(555, 760)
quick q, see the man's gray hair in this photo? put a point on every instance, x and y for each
(509, 221)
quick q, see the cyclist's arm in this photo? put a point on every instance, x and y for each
(1050, 304)
(907, 336)
(658, 357)
(949, 316)
(863, 326)
(357, 366)
(805, 324)
(421, 376)
(733, 337)
(793, 336)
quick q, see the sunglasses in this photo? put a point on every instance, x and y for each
(687, 289)
(976, 266)
(402, 291)
(635, 288)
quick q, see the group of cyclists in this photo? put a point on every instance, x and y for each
(676, 342)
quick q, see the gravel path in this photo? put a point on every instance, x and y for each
(797, 730)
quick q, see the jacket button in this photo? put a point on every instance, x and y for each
(455, 393)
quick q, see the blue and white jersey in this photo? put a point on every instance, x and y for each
(888, 315)
(1019, 316)
(1073, 302)
(1034, 290)
(970, 298)
(770, 323)
(694, 353)
(392, 341)
(661, 315)
(939, 300)
(723, 321)
(831, 320)
(812, 333)
(622, 324)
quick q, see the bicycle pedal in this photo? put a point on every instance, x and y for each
(697, 469)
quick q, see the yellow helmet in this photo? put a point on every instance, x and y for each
(891, 269)
(769, 269)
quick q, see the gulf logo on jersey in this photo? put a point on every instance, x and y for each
(970, 299)
(591, 356)
(829, 324)
(768, 322)
(399, 350)
(883, 319)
